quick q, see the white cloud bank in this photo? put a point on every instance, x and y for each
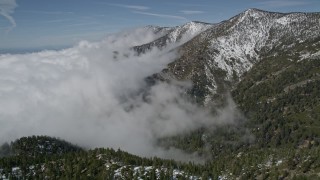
(91, 95)
(6, 8)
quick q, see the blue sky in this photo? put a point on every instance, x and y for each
(41, 24)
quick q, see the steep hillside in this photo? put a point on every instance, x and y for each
(216, 59)
(270, 64)
(281, 97)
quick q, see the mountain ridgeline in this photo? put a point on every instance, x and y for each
(268, 63)
(217, 57)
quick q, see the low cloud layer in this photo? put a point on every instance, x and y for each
(94, 95)
(6, 9)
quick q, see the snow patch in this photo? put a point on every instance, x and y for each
(188, 31)
(309, 55)
(283, 21)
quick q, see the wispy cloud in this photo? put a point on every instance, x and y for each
(188, 12)
(49, 12)
(6, 8)
(160, 15)
(81, 24)
(134, 7)
(58, 20)
(189, 5)
(283, 3)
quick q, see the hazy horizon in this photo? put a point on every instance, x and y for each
(59, 24)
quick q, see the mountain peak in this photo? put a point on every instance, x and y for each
(254, 12)
(195, 24)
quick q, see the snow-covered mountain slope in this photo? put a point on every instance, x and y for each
(187, 31)
(219, 56)
(175, 36)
